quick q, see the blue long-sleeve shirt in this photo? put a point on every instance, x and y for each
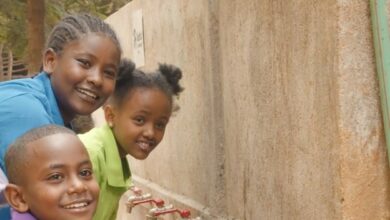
(25, 104)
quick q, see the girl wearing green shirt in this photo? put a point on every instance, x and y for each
(136, 114)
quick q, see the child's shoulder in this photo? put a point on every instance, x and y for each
(24, 88)
(95, 139)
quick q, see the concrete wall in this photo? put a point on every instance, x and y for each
(280, 117)
(280, 103)
(364, 169)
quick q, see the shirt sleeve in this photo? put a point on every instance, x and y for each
(19, 114)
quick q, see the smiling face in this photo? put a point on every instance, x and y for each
(139, 123)
(59, 184)
(83, 74)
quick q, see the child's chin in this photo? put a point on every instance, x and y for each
(142, 156)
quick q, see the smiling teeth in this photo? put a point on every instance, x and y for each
(143, 145)
(85, 92)
(76, 205)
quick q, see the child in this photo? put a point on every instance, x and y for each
(50, 175)
(79, 70)
(136, 114)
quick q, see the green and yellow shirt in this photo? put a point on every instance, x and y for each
(111, 171)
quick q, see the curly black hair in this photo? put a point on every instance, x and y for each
(166, 78)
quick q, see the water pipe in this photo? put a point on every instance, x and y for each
(169, 209)
(135, 200)
(156, 202)
(138, 196)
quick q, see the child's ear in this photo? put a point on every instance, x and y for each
(109, 114)
(14, 196)
(49, 60)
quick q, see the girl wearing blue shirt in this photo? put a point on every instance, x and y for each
(80, 65)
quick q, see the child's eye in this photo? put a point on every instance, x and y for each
(84, 63)
(55, 177)
(109, 73)
(86, 172)
(139, 120)
(161, 125)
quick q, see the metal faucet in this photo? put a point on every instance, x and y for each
(157, 211)
(139, 198)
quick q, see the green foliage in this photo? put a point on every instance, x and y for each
(13, 17)
(101, 8)
(13, 25)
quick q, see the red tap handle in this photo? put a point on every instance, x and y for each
(157, 202)
(182, 213)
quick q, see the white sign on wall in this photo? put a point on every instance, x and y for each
(138, 39)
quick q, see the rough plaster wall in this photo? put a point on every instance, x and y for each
(279, 102)
(280, 117)
(364, 167)
(188, 162)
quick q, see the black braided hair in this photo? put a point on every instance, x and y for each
(74, 27)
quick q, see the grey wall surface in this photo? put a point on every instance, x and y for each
(280, 117)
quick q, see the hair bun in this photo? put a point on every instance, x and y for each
(173, 75)
(126, 65)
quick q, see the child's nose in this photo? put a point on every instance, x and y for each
(95, 77)
(76, 186)
(149, 131)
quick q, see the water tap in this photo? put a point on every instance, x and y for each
(132, 201)
(157, 211)
(137, 196)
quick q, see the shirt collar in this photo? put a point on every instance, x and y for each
(117, 168)
(54, 109)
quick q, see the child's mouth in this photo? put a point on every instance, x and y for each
(89, 94)
(145, 146)
(77, 205)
